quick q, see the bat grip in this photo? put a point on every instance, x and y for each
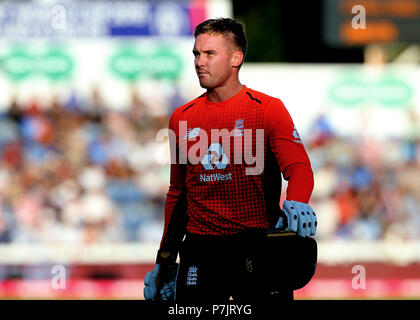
(285, 221)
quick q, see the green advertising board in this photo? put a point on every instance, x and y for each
(356, 91)
(22, 63)
(131, 64)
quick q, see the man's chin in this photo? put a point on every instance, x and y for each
(205, 85)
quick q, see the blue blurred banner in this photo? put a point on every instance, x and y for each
(100, 18)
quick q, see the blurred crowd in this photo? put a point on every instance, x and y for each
(366, 188)
(77, 171)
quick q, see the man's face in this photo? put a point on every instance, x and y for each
(214, 59)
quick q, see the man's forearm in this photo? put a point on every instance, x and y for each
(300, 182)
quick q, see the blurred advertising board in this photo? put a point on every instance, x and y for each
(63, 48)
(70, 18)
(356, 100)
(117, 271)
(46, 69)
(364, 22)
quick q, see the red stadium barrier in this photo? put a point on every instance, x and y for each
(383, 281)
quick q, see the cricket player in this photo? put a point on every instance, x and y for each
(224, 191)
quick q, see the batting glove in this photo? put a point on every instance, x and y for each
(301, 218)
(159, 284)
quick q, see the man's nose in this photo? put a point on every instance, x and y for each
(199, 61)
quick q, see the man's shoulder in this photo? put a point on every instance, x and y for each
(261, 98)
(188, 105)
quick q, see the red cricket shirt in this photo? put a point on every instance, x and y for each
(210, 192)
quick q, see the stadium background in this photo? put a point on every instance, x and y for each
(86, 85)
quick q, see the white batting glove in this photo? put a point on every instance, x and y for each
(301, 218)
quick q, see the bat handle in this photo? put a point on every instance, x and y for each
(285, 220)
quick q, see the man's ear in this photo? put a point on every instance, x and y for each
(237, 59)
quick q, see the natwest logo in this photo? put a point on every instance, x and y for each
(215, 158)
(215, 177)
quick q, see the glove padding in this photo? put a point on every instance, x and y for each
(301, 218)
(160, 285)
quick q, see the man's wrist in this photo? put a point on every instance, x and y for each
(165, 257)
